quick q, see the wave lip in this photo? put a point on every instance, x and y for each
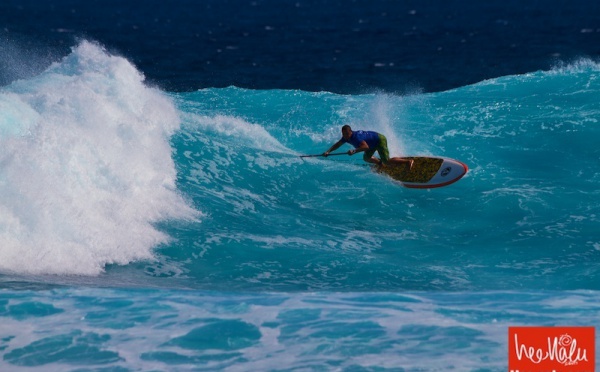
(85, 167)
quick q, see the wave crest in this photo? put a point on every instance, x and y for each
(85, 167)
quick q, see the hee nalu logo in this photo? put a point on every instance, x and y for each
(533, 349)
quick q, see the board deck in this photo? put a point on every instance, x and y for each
(427, 172)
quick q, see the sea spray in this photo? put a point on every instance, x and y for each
(85, 167)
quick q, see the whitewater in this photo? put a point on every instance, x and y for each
(142, 229)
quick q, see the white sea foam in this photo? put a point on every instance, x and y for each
(85, 167)
(253, 135)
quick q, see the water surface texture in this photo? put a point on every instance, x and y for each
(155, 213)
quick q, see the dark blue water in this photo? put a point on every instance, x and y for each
(332, 45)
(155, 215)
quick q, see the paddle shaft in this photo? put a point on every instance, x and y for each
(317, 155)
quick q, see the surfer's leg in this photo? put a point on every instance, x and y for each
(399, 161)
(374, 160)
(384, 153)
(382, 150)
(368, 157)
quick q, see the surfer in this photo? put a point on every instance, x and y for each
(368, 142)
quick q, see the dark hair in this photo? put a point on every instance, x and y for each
(346, 127)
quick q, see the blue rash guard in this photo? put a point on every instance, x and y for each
(371, 138)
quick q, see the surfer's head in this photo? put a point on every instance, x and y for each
(346, 132)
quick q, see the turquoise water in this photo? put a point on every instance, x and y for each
(149, 230)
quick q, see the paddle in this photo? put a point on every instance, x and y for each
(317, 155)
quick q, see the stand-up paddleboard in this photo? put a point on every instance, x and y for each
(426, 172)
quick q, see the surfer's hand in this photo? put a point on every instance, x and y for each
(351, 152)
(326, 154)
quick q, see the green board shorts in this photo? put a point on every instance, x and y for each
(382, 150)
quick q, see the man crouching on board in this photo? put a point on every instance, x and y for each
(367, 142)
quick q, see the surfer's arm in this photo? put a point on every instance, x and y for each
(363, 147)
(334, 147)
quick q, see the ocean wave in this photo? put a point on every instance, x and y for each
(94, 161)
(85, 167)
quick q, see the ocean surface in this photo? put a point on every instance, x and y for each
(155, 214)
